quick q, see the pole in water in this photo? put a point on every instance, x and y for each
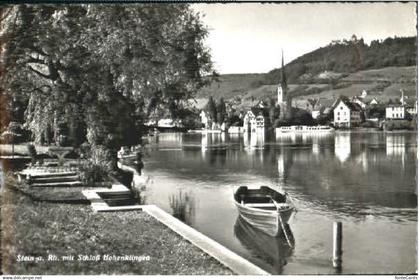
(338, 242)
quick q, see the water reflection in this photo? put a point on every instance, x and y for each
(342, 146)
(254, 141)
(364, 179)
(273, 251)
(183, 207)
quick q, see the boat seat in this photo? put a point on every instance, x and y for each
(262, 205)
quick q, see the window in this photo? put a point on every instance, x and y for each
(338, 113)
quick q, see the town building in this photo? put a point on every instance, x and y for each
(395, 111)
(347, 113)
(322, 106)
(256, 120)
(205, 119)
(411, 107)
(373, 102)
(360, 101)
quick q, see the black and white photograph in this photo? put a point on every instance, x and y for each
(208, 138)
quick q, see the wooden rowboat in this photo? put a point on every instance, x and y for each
(264, 209)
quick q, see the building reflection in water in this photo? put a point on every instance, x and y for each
(342, 146)
(183, 206)
(254, 141)
(274, 251)
(396, 146)
(283, 137)
(284, 164)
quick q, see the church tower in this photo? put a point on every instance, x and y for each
(282, 87)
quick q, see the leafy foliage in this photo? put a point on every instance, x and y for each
(99, 71)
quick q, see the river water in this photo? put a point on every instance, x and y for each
(367, 180)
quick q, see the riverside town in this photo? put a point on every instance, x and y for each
(197, 138)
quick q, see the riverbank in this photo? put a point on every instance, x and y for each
(100, 243)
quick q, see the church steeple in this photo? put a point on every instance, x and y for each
(283, 80)
(282, 87)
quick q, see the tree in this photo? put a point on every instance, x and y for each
(115, 66)
(313, 102)
(211, 108)
(221, 111)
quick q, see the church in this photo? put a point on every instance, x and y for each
(257, 119)
(284, 101)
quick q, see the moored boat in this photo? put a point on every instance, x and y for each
(264, 209)
(304, 129)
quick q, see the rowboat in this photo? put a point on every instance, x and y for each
(264, 209)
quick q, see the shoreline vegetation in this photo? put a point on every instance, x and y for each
(99, 243)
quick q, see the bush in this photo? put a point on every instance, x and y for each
(369, 124)
(397, 125)
(85, 151)
(91, 174)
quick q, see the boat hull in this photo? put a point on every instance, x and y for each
(264, 208)
(266, 221)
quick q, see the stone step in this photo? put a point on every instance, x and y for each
(52, 174)
(55, 179)
(58, 184)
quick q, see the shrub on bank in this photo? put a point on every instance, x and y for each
(398, 125)
(369, 124)
(92, 174)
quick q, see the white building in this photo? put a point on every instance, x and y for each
(374, 101)
(395, 112)
(363, 94)
(358, 100)
(205, 119)
(169, 123)
(412, 108)
(255, 120)
(346, 113)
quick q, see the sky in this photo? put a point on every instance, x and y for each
(249, 37)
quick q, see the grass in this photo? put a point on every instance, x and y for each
(40, 229)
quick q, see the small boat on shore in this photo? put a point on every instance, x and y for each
(127, 153)
(264, 209)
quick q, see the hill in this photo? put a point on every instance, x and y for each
(348, 57)
(380, 83)
(341, 68)
(231, 85)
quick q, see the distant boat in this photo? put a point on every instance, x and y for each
(304, 129)
(203, 131)
(264, 209)
(127, 153)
